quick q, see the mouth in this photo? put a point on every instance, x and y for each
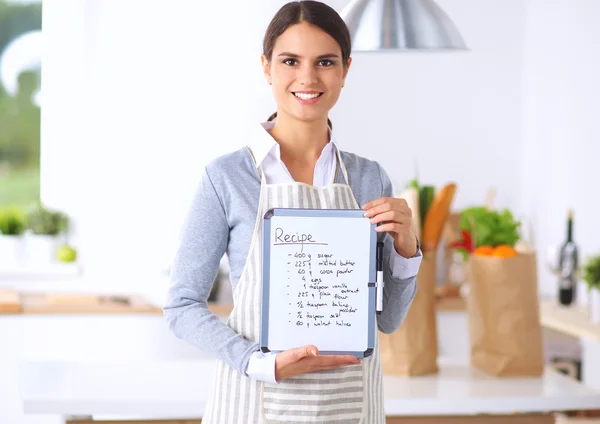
(307, 95)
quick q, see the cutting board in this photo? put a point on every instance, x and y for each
(13, 302)
(10, 301)
(68, 303)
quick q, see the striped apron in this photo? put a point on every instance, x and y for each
(351, 394)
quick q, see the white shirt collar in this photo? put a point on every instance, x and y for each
(262, 143)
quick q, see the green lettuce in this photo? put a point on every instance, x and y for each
(491, 227)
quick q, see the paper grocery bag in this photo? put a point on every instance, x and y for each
(451, 235)
(503, 313)
(412, 349)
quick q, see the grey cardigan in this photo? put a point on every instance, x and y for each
(221, 220)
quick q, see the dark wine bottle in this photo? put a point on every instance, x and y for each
(568, 260)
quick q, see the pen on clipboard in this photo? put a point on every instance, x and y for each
(379, 281)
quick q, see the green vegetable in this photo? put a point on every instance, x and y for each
(590, 272)
(491, 227)
(43, 221)
(12, 221)
(426, 195)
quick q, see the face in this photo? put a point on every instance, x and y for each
(306, 71)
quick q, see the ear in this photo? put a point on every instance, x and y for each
(266, 68)
(347, 69)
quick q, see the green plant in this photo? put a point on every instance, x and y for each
(12, 221)
(490, 227)
(590, 272)
(426, 194)
(43, 221)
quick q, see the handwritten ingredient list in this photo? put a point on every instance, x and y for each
(317, 286)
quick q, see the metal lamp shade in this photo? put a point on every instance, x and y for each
(391, 25)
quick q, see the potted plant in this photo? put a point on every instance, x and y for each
(590, 273)
(43, 228)
(12, 227)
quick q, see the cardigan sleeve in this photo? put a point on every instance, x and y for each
(203, 243)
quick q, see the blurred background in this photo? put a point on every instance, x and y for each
(109, 111)
(135, 113)
(20, 75)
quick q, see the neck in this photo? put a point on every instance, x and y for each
(299, 141)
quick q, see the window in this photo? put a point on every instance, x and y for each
(20, 66)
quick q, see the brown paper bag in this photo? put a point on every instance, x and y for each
(451, 234)
(412, 349)
(503, 312)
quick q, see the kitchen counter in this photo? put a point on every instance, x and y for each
(572, 320)
(179, 389)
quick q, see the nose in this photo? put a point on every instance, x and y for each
(307, 75)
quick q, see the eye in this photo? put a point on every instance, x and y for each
(326, 62)
(289, 61)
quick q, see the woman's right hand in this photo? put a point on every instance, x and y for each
(305, 359)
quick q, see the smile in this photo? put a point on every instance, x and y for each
(308, 96)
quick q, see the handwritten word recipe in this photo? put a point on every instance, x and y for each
(324, 287)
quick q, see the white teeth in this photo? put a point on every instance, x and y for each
(306, 96)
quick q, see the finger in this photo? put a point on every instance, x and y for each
(375, 202)
(298, 353)
(375, 210)
(406, 210)
(402, 202)
(391, 216)
(402, 206)
(395, 200)
(390, 227)
(331, 365)
(392, 204)
(331, 360)
(347, 358)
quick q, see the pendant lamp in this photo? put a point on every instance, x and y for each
(400, 25)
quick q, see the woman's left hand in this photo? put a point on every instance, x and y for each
(395, 218)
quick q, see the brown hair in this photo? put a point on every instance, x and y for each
(315, 13)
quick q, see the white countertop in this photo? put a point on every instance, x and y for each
(179, 389)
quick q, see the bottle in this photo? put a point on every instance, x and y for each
(568, 260)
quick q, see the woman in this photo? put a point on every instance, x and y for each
(306, 57)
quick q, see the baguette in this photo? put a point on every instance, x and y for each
(436, 217)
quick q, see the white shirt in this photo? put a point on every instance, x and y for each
(267, 154)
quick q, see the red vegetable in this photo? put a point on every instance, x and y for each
(466, 243)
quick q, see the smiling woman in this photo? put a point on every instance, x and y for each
(291, 161)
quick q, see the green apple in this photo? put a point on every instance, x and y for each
(66, 253)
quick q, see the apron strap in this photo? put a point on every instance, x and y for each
(341, 163)
(258, 170)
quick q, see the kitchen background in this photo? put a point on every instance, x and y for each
(139, 98)
(136, 97)
(19, 102)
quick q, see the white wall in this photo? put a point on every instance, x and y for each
(167, 88)
(63, 134)
(457, 114)
(561, 136)
(133, 111)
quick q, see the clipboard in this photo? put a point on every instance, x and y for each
(319, 281)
